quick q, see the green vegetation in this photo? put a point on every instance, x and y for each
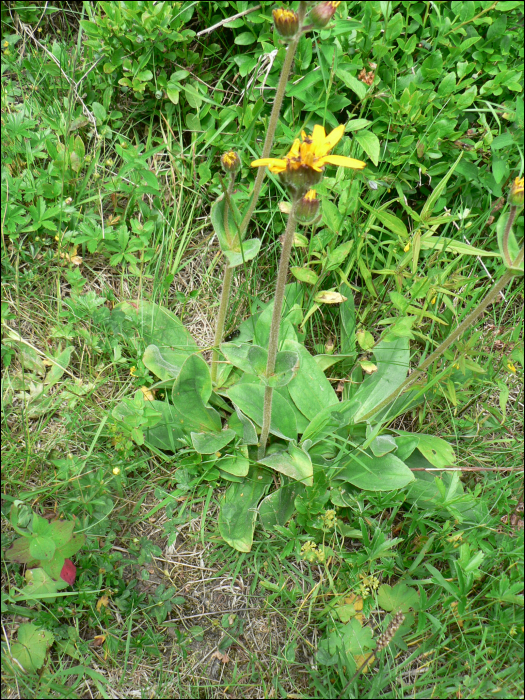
(229, 472)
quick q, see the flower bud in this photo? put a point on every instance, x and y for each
(230, 161)
(286, 22)
(323, 13)
(307, 208)
(516, 192)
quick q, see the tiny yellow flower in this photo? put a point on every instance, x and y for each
(516, 192)
(511, 367)
(6, 43)
(433, 300)
(286, 22)
(116, 471)
(132, 371)
(407, 247)
(303, 165)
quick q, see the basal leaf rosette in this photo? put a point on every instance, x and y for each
(303, 166)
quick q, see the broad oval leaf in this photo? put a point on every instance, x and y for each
(209, 443)
(372, 473)
(295, 463)
(250, 399)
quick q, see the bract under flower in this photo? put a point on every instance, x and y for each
(303, 165)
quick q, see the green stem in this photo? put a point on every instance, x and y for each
(273, 341)
(438, 352)
(274, 116)
(225, 294)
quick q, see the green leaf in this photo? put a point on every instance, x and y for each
(331, 215)
(400, 598)
(352, 82)
(57, 370)
(42, 547)
(305, 274)
(236, 464)
(383, 444)
(442, 243)
(19, 551)
(310, 390)
(99, 111)
(30, 650)
(429, 205)
(238, 355)
(165, 435)
(247, 432)
(389, 220)
(157, 361)
(191, 391)
(238, 509)
(372, 473)
(295, 463)
(279, 506)
(369, 143)
(258, 359)
(161, 327)
(392, 360)
(286, 367)
(250, 399)
(173, 93)
(438, 452)
(245, 39)
(209, 443)
(357, 124)
(243, 252)
(447, 85)
(40, 585)
(347, 312)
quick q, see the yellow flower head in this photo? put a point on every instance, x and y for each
(516, 192)
(116, 471)
(511, 367)
(230, 162)
(302, 167)
(286, 22)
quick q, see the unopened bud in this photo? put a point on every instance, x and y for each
(323, 13)
(516, 192)
(307, 208)
(300, 180)
(230, 161)
(286, 22)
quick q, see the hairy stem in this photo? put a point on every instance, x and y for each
(508, 226)
(438, 352)
(273, 341)
(225, 294)
(274, 116)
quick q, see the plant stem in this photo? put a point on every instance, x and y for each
(438, 352)
(508, 226)
(225, 294)
(274, 116)
(273, 341)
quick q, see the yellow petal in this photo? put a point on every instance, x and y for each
(344, 161)
(276, 165)
(335, 136)
(318, 134)
(294, 150)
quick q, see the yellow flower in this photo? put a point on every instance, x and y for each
(516, 192)
(286, 22)
(302, 167)
(511, 367)
(116, 471)
(132, 371)
(407, 247)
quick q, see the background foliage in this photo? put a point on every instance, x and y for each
(114, 116)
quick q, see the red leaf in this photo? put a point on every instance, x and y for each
(69, 572)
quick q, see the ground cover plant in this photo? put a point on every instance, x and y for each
(262, 349)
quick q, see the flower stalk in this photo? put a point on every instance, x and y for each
(273, 342)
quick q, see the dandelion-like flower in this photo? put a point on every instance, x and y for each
(516, 192)
(303, 165)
